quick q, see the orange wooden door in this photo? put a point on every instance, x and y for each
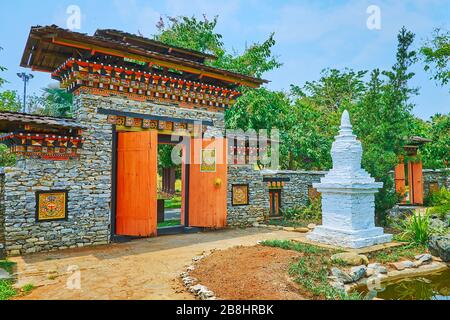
(416, 182)
(399, 176)
(208, 183)
(136, 213)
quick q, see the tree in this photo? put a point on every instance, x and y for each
(55, 102)
(9, 100)
(200, 35)
(436, 154)
(435, 54)
(383, 118)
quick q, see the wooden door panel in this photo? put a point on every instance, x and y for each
(207, 187)
(136, 213)
(399, 176)
(417, 183)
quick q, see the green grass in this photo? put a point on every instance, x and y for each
(6, 286)
(398, 253)
(6, 290)
(174, 203)
(311, 271)
(27, 288)
(169, 223)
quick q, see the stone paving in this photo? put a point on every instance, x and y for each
(143, 269)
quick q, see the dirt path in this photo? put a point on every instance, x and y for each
(143, 269)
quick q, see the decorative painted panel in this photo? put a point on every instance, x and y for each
(240, 195)
(51, 205)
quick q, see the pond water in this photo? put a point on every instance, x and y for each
(429, 287)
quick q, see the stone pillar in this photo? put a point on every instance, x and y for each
(348, 197)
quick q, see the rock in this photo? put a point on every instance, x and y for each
(290, 229)
(358, 272)
(4, 275)
(440, 246)
(382, 270)
(424, 258)
(402, 265)
(312, 226)
(438, 224)
(341, 276)
(370, 272)
(350, 258)
(375, 265)
(301, 230)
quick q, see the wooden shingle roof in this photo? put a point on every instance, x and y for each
(49, 47)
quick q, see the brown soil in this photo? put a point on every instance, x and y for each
(249, 273)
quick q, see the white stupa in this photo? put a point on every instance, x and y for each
(348, 197)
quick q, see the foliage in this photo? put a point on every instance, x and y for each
(200, 35)
(7, 159)
(416, 228)
(6, 286)
(311, 271)
(6, 290)
(311, 212)
(54, 102)
(439, 198)
(435, 53)
(436, 154)
(9, 101)
(440, 203)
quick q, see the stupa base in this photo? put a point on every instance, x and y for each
(354, 239)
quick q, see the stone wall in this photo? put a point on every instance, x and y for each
(440, 176)
(2, 214)
(240, 216)
(295, 192)
(88, 181)
(293, 195)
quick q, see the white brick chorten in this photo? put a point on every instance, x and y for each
(348, 197)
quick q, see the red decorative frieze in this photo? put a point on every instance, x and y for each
(44, 146)
(79, 76)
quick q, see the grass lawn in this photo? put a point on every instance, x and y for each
(312, 270)
(174, 203)
(169, 223)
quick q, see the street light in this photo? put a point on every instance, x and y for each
(25, 78)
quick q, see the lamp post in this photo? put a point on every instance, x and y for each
(26, 77)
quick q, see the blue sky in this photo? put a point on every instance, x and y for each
(311, 35)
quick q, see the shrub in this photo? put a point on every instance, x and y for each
(313, 211)
(416, 229)
(439, 202)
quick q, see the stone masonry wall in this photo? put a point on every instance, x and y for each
(258, 208)
(295, 192)
(87, 180)
(2, 214)
(441, 177)
(293, 195)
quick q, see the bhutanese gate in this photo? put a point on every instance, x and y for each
(91, 179)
